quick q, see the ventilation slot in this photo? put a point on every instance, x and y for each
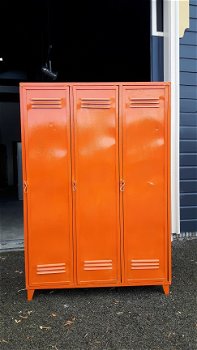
(96, 103)
(41, 103)
(95, 265)
(51, 268)
(144, 102)
(145, 264)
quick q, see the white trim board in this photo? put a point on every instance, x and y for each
(171, 73)
(154, 31)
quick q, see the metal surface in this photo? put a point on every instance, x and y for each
(144, 170)
(96, 213)
(46, 137)
(95, 156)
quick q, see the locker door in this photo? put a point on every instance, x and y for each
(97, 184)
(145, 175)
(47, 156)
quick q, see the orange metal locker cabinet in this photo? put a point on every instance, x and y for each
(96, 209)
(109, 223)
(145, 173)
(45, 120)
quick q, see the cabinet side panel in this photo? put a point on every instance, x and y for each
(23, 111)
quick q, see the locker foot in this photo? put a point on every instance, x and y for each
(30, 293)
(166, 289)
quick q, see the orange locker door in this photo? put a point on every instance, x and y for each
(97, 184)
(145, 175)
(47, 146)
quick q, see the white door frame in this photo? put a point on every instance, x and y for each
(171, 73)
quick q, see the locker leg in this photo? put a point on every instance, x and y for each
(30, 293)
(166, 289)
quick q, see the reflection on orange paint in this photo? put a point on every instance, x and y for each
(96, 171)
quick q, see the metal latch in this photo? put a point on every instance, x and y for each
(25, 186)
(122, 185)
(74, 186)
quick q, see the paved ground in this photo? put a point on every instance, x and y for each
(108, 318)
(11, 221)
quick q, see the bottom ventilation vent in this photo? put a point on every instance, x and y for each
(95, 265)
(145, 264)
(51, 268)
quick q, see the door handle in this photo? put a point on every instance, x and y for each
(122, 185)
(74, 186)
(25, 186)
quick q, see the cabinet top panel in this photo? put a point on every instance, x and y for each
(50, 85)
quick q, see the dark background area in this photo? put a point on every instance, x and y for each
(92, 41)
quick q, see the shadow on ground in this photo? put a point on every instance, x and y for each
(138, 318)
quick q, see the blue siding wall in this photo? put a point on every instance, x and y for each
(188, 124)
(157, 61)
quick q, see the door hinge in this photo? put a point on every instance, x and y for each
(25, 186)
(74, 186)
(122, 185)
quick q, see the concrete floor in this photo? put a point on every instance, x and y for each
(11, 223)
(132, 318)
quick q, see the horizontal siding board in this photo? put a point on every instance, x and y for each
(189, 226)
(188, 200)
(192, 25)
(193, 2)
(189, 38)
(193, 11)
(188, 119)
(188, 65)
(188, 159)
(187, 78)
(189, 173)
(188, 133)
(188, 105)
(188, 146)
(188, 91)
(188, 51)
(188, 213)
(188, 186)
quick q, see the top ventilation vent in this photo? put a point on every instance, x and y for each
(146, 102)
(97, 103)
(50, 103)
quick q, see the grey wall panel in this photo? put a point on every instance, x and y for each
(189, 226)
(188, 65)
(188, 51)
(188, 119)
(188, 105)
(188, 159)
(157, 72)
(188, 133)
(193, 10)
(188, 124)
(193, 2)
(189, 38)
(188, 213)
(193, 24)
(188, 92)
(188, 146)
(188, 173)
(187, 78)
(188, 186)
(188, 200)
